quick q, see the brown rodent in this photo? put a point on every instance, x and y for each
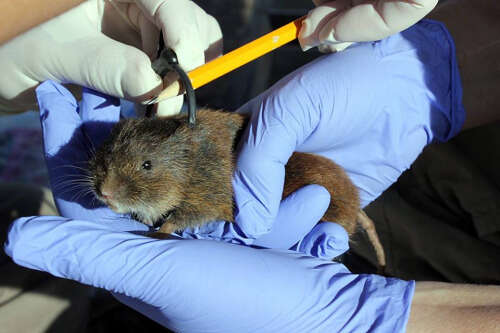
(160, 170)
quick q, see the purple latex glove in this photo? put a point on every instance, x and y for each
(371, 108)
(207, 286)
(73, 131)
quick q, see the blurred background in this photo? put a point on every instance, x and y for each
(440, 221)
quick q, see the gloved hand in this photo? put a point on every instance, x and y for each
(207, 286)
(371, 108)
(73, 131)
(334, 25)
(98, 44)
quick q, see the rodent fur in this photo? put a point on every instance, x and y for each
(189, 182)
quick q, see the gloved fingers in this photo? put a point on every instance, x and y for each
(87, 207)
(96, 106)
(326, 34)
(281, 119)
(91, 252)
(58, 115)
(370, 20)
(259, 176)
(150, 36)
(170, 106)
(130, 73)
(326, 240)
(189, 57)
(194, 36)
(108, 66)
(331, 48)
(257, 192)
(221, 231)
(297, 215)
(319, 25)
(214, 40)
(126, 22)
(190, 32)
(99, 113)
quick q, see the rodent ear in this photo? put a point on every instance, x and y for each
(168, 126)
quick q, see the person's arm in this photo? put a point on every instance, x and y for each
(19, 16)
(200, 286)
(450, 308)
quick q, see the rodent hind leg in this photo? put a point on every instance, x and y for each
(303, 169)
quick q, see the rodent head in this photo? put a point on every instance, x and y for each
(142, 167)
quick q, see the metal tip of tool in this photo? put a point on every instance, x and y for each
(153, 100)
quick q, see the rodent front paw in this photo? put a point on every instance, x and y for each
(167, 228)
(160, 235)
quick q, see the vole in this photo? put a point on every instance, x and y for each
(162, 171)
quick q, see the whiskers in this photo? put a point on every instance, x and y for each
(75, 182)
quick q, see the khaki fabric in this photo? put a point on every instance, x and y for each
(475, 27)
(32, 301)
(441, 220)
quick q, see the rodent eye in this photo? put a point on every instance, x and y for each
(147, 165)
